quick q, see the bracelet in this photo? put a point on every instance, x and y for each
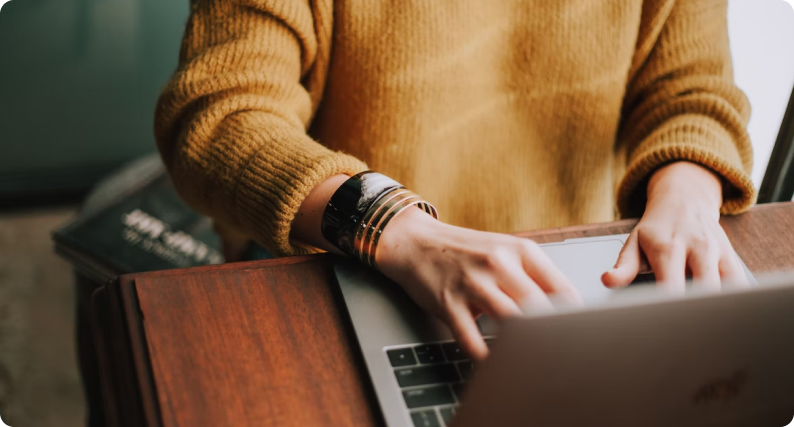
(382, 212)
(349, 204)
(360, 209)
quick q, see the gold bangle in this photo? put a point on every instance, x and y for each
(358, 242)
(379, 214)
(421, 204)
(379, 210)
(384, 215)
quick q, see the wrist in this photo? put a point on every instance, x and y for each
(404, 232)
(685, 182)
(362, 208)
(306, 227)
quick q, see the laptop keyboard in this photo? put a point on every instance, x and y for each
(431, 378)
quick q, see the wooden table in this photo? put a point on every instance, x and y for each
(269, 343)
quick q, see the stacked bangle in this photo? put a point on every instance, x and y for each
(359, 211)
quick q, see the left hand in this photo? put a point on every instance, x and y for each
(680, 233)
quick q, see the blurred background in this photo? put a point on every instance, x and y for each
(78, 83)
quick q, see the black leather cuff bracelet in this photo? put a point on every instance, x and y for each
(348, 206)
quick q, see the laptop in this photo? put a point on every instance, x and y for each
(631, 357)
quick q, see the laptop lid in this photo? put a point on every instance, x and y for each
(723, 360)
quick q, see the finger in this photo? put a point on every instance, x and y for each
(731, 268)
(524, 291)
(732, 271)
(668, 262)
(705, 269)
(493, 301)
(541, 303)
(627, 266)
(645, 267)
(549, 279)
(466, 332)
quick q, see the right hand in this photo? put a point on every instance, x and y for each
(457, 273)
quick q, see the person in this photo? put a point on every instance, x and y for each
(505, 116)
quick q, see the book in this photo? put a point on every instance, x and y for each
(135, 222)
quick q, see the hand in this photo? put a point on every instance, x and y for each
(457, 273)
(679, 233)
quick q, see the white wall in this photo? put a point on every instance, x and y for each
(762, 41)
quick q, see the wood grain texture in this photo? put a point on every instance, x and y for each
(269, 343)
(764, 237)
(256, 347)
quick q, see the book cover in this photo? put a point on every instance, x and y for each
(148, 229)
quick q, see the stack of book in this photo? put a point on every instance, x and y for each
(134, 221)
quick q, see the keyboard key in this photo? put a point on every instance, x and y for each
(453, 351)
(466, 369)
(429, 353)
(447, 414)
(426, 375)
(458, 390)
(425, 418)
(429, 396)
(401, 357)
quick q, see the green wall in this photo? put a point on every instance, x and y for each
(78, 83)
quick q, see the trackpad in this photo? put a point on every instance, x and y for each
(583, 263)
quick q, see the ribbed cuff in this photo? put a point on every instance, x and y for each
(693, 138)
(275, 183)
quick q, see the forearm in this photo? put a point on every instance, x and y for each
(231, 124)
(681, 104)
(306, 227)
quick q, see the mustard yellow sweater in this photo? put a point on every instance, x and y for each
(508, 115)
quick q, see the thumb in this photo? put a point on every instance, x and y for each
(627, 266)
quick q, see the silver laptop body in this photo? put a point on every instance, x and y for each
(396, 336)
(709, 360)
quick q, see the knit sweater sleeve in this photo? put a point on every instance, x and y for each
(231, 124)
(682, 104)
